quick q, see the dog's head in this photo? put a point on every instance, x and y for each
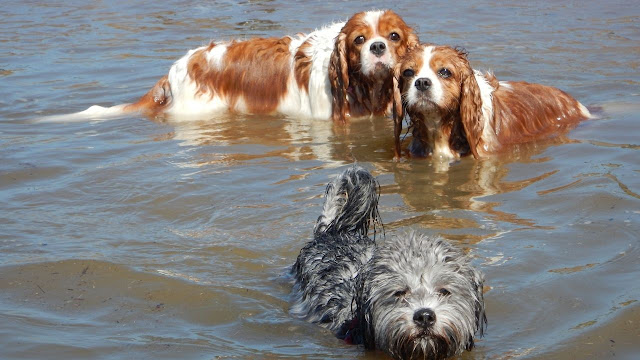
(437, 81)
(419, 297)
(366, 51)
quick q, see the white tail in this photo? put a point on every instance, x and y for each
(95, 112)
(151, 103)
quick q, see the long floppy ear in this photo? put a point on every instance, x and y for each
(339, 78)
(471, 108)
(398, 111)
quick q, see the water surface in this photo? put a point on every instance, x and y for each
(134, 238)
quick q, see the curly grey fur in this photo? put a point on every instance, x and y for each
(411, 273)
(351, 203)
(372, 294)
(326, 268)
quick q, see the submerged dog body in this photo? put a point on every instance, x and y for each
(415, 297)
(326, 269)
(342, 70)
(455, 110)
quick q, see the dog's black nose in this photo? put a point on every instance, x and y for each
(423, 84)
(378, 48)
(424, 317)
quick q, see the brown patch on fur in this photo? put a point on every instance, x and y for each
(398, 117)
(339, 79)
(353, 93)
(302, 66)
(492, 80)
(155, 100)
(391, 22)
(471, 113)
(198, 67)
(256, 71)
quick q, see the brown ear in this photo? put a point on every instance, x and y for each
(471, 111)
(398, 111)
(339, 78)
(412, 40)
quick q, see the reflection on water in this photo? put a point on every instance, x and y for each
(170, 238)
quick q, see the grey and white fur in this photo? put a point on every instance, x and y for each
(415, 297)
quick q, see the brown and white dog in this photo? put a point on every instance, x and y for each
(342, 70)
(455, 110)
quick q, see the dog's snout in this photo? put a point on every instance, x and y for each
(378, 48)
(423, 84)
(424, 317)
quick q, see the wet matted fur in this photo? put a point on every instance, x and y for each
(414, 297)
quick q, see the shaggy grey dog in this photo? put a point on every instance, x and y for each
(415, 297)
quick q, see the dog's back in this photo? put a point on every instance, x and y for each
(326, 268)
(525, 111)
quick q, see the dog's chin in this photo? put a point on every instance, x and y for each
(424, 105)
(380, 71)
(422, 345)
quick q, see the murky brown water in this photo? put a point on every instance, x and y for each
(133, 239)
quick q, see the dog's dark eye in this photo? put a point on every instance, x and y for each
(444, 292)
(394, 36)
(408, 73)
(359, 40)
(400, 293)
(444, 73)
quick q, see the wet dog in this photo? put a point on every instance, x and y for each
(341, 71)
(456, 111)
(414, 297)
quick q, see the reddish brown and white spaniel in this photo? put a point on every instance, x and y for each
(342, 70)
(455, 110)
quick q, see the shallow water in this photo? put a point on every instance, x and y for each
(134, 238)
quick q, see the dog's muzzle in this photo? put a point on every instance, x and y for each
(425, 318)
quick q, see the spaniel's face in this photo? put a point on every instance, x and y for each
(375, 41)
(431, 79)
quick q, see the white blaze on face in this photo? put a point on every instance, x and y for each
(435, 91)
(370, 60)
